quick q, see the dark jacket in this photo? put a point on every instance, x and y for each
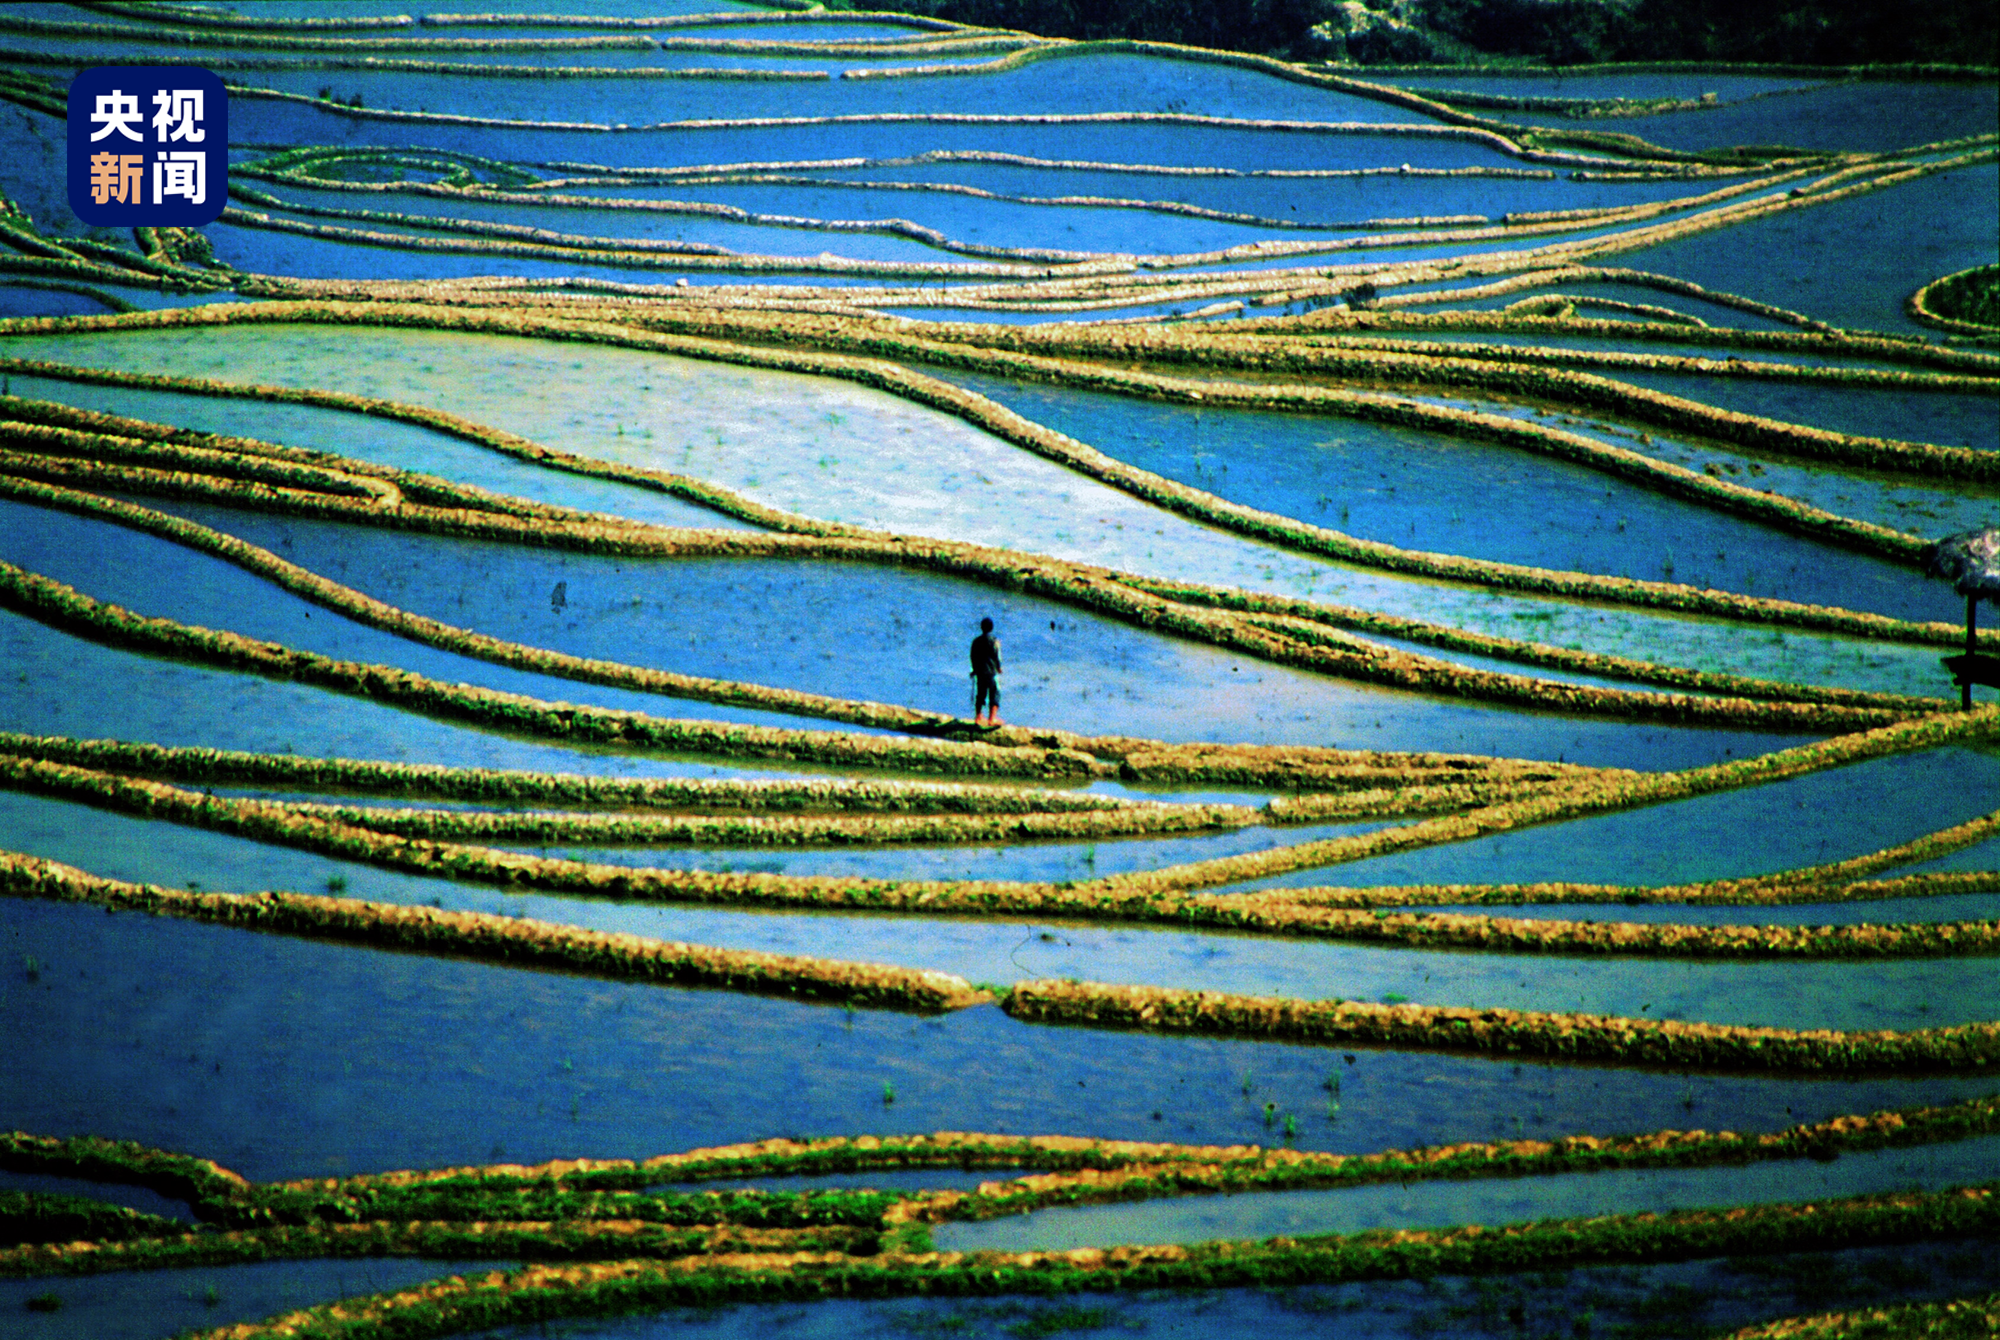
(986, 656)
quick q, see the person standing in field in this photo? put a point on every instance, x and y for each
(986, 674)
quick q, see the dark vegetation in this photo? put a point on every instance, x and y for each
(27, 1216)
(1973, 296)
(1559, 32)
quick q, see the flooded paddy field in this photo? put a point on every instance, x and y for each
(1828, 816)
(485, 697)
(141, 1305)
(1716, 1294)
(1830, 268)
(1391, 484)
(329, 1060)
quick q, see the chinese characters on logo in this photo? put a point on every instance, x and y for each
(130, 168)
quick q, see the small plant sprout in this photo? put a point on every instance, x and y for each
(1291, 1127)
(1246, 1084)
(336, 884)
(888, 1093)
(1270, 1113)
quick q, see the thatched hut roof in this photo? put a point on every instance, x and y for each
(1969, 561)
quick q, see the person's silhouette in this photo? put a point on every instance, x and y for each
(986, 674)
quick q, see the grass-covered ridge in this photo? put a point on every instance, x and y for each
(790, 342)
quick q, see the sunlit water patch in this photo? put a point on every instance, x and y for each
(846, 453)
(370, 437)
(452, 1063)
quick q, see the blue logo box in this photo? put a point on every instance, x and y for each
(148, 146)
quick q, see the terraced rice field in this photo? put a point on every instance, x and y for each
(1481, 843)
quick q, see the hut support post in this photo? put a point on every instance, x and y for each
(1971, 642)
